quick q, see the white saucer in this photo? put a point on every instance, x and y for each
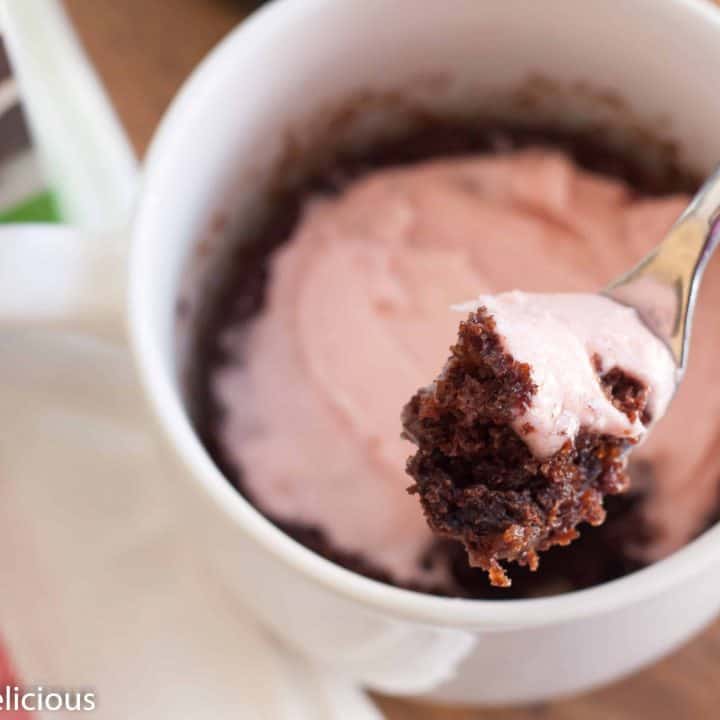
(100, 585)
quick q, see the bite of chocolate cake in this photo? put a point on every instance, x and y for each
(530, 423)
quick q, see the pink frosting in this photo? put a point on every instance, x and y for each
(561, 336)
(358, 317)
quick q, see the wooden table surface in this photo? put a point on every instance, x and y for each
(143, 50)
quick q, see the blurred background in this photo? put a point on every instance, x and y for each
(143, 52)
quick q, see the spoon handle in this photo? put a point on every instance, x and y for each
(663, 286)
(706, 203)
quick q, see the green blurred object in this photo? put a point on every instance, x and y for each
(37, 208)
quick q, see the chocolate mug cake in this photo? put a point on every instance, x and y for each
(338, 310)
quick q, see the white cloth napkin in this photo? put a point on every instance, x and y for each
(100, 584)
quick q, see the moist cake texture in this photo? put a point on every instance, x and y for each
(529, 424)
(335, 312)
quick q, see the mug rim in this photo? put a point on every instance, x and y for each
(165, 402)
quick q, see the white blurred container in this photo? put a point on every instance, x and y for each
(83, 152)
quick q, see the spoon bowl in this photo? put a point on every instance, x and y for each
(663, 287)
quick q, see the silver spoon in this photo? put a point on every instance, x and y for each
(663, 286)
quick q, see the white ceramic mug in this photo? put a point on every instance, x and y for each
(213, 155)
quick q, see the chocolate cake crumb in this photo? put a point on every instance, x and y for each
(628, 394)
(476, 478)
